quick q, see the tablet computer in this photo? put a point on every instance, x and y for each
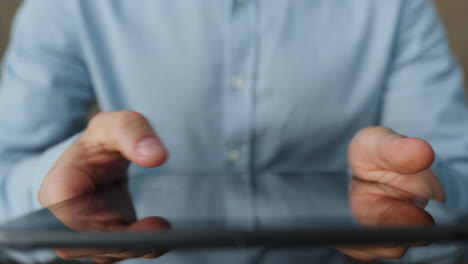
(212, 211)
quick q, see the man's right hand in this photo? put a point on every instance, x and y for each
(101, 156)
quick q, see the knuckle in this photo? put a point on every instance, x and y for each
(130, 114)
(97, 119)
(113, 121)
(121, 117)
(373, 131)
(128, 117)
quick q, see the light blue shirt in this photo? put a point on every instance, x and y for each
(247, 87)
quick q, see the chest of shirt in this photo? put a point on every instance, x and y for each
(297, 77)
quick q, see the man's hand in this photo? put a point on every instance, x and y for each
(391, 186)
(101, 156)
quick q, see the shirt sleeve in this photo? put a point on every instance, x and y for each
(425, 96)
(45, 97)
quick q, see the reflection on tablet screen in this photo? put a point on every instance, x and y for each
(202, 215)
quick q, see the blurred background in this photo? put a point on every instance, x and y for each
(454, 13)
(7, 11)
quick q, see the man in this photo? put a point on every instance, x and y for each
(238, 86)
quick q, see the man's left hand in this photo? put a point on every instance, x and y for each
(391, 186)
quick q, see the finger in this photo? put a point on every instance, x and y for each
(364, 190)
(105, 260)
(380, 148)
(102, 155)
(151, 224)
(378, 154)
(376, 211)
(153, 255)
(417, 188)
(66, 253)
(144, 225)
(357, 254)
(136, 253)
(373, 253)
(382, 252)
(129, 133)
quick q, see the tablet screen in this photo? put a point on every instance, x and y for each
(210, 211)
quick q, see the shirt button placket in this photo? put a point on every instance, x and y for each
(238, 82)
(239, 110)
(234, 156)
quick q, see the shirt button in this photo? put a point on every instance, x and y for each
(238, 82)
(234, 156)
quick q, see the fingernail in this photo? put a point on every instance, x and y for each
(149, 146)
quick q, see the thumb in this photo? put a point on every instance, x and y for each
(129, 133)
(380, 155)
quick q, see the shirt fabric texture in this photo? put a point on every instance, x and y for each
(250, 88)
